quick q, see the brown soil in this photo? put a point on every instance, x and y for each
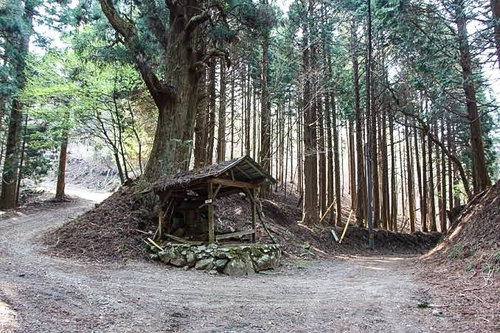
(42, 293)
(464, 267)
(113, 230)
(116, 229)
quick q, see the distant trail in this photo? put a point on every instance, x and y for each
(39, 293)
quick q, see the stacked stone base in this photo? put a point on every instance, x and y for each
(235, 260)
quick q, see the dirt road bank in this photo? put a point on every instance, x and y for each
(39, 293)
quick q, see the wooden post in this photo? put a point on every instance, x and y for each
(210, 205)
(160, 225)
(254, 210)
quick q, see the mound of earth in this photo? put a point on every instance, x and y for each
(116, 229)
(282, 217)
(113, 230)
(465, 265)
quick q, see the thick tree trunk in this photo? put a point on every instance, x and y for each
(481, 176)
(329, 141)
(360, 164)
(20, 41)
(61, 170)
(321, 157)
(12, 157)
(310, 206)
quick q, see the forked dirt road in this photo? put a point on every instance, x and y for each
(40, 293)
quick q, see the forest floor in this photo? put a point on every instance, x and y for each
(43, 293)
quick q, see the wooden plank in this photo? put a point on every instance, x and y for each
(211, 228)
(234, 183)
(182, 240)
(235, 234)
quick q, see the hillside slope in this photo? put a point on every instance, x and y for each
(464, 266)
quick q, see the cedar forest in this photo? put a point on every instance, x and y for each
(385, 109)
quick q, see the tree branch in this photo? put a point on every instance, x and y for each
(127, 30)
(425, 129)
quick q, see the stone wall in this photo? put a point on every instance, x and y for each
(233, 260)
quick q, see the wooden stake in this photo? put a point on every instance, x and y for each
(345, 228)
(326, 213)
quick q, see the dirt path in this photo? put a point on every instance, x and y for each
(39, 293)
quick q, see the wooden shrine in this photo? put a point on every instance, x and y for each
(187, 199)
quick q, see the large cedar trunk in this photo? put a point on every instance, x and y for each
(176, 95)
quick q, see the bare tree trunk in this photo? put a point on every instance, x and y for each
(361, 181)
(423, 209)
(248, 110)
(211, 113)
(394, 193)
(432, 203)
(221, 131)
(20, 41)
(265, 110)
(310, 207)
(352, 163)
(385, 172)
(481, 175)
(409, 170)
(329, 141)
(61, 173)
(321, 157)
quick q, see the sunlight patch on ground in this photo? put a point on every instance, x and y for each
(375, 268)
(8, 318)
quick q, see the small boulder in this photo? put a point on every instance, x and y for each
(206, 264)
(239, 267)
(179, 261)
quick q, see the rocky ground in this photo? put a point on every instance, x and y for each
(42, 293)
